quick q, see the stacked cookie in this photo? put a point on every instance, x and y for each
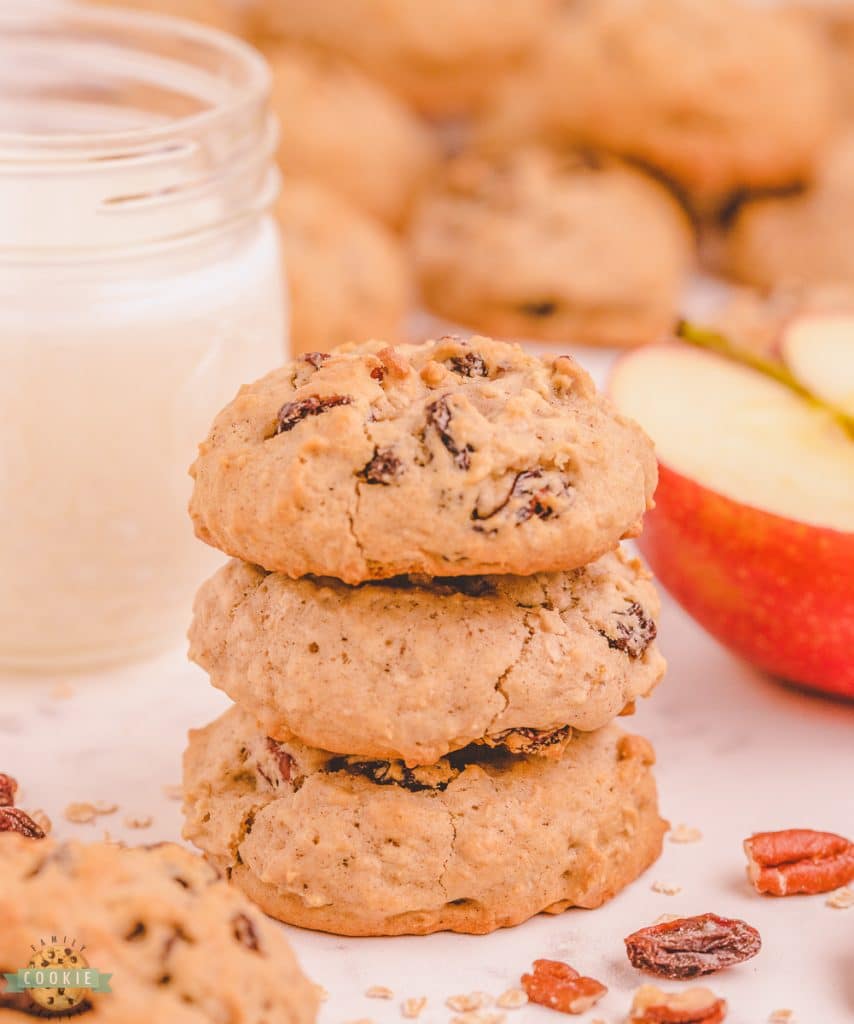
(427, 628)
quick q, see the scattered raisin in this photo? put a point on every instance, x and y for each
(691, 946)
(439, 416)
(633, 637)
(8, 788)
(293, 413)
(12, 819)
(245, 933)
(472, 364)
(316, 359)
(384, 467)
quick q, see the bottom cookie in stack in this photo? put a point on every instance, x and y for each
(480, 840)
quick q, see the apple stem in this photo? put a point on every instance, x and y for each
(714, 341)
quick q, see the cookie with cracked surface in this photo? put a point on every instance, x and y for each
(806, 238)
(480, 840)
(347, 132)
(718, 96)
(572, 247)
(443, 57)
(456, 457)
(182, 945)
(438, 663)
(347, 275)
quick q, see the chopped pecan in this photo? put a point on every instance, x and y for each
(383, 468)
(12, 819)
(798, 860)
(561, 987)
(692, 1006)
(315, 359)
(439, 416)
(293, 413)
(395, 365)
(472, 364)
(284, 761)
(245, 932)
(8, 788)
(634, 631)
(691, 946)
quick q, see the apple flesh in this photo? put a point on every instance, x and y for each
(819, 351)
(752, 529)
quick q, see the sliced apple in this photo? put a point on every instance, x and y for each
(752, 530)
(819, 350)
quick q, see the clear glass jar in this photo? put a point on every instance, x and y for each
(140, 285)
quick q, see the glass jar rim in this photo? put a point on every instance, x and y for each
(214, 161)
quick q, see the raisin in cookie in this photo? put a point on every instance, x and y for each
(416, 667)
(449, 458)
(181, 945)
(805, 238)
(480, 840)
(347, 275)
(571, 247)
(343, 130)
(718, 96)
(443, 56)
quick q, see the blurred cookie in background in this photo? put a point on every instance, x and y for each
(570, 247)
(834, 19)
(443, 56)
(347, 274)
(342, 129)
(227, 15)
(802, 238)
(718, 96)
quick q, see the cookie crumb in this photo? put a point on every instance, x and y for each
(379, 992)
(512, 999)
(842, 899)
(142, 821)
(80, 813)
(412, 1008)
(42, 820)
(781, 1017)
(468, 1001)
(666, 888)
(685, 834)
(173, 791)
(105, 807)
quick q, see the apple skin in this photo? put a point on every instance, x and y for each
(776, 591)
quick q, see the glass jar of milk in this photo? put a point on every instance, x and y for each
(140, 285)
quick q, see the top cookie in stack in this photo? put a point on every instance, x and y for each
(457, 457)
(428, 744)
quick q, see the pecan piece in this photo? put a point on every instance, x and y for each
(634, 631)
(690, 946)
(383, 468)
(8, 788)
(798, 860)
(245, 933)
(439, 416)
(293, 413)
(693, 1006)
(394, 364)
(561, 987)
(315, 359)
(12, 819)
(472, 364)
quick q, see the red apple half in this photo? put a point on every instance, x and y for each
(752, 530)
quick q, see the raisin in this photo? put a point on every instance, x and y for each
(384, 467)
(14, 820)
(293, 413)
(541, 310)
(529, 494)
(284, 761)
(472, 364)
(524, 740)
(378, 373)
(691, 946)
(245, 933)
(439, 416)
(315, 359)
(8, 788)
(384, 773)
(633, 637)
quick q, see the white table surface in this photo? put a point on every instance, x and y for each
(737, 753)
